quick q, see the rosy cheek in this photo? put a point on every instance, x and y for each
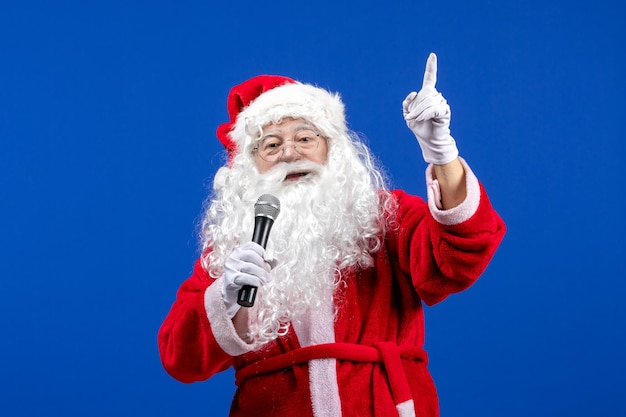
(323, 156)
(264, 168)
(262, 165)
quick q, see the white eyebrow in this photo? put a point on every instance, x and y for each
(298, 128)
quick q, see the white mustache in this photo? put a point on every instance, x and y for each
(279, 172)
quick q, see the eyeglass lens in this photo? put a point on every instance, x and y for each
(271, 148)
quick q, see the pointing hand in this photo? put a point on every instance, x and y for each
(427, 114)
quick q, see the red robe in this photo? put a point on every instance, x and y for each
(368, 359)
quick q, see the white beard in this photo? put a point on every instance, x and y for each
(323, 227)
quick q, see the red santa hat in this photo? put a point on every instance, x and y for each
(270, 98)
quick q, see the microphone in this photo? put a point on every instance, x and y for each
(266, 210)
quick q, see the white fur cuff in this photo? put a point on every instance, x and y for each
(222, 326)
(463, 211)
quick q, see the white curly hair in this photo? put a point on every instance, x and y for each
(334, 219)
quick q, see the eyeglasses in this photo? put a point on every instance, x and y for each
(270, 148)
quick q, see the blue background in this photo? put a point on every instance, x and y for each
(107, 147)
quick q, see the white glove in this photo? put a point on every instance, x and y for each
(427, 114)
(248, 264)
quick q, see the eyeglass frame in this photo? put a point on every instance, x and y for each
(255, 149)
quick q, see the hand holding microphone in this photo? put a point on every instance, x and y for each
(248, 267)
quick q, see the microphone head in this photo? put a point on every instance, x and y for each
(267, 206)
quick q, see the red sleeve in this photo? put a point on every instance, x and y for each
(445, 259)
(188, 349)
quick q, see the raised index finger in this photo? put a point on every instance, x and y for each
(430, 75)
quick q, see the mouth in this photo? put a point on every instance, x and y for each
(294, 176)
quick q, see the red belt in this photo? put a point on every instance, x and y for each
(388, 354)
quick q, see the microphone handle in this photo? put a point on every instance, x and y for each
(246, 296)
(262, 226)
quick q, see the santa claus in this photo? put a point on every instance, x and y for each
(337, 327)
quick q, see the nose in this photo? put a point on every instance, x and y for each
(290, 153)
